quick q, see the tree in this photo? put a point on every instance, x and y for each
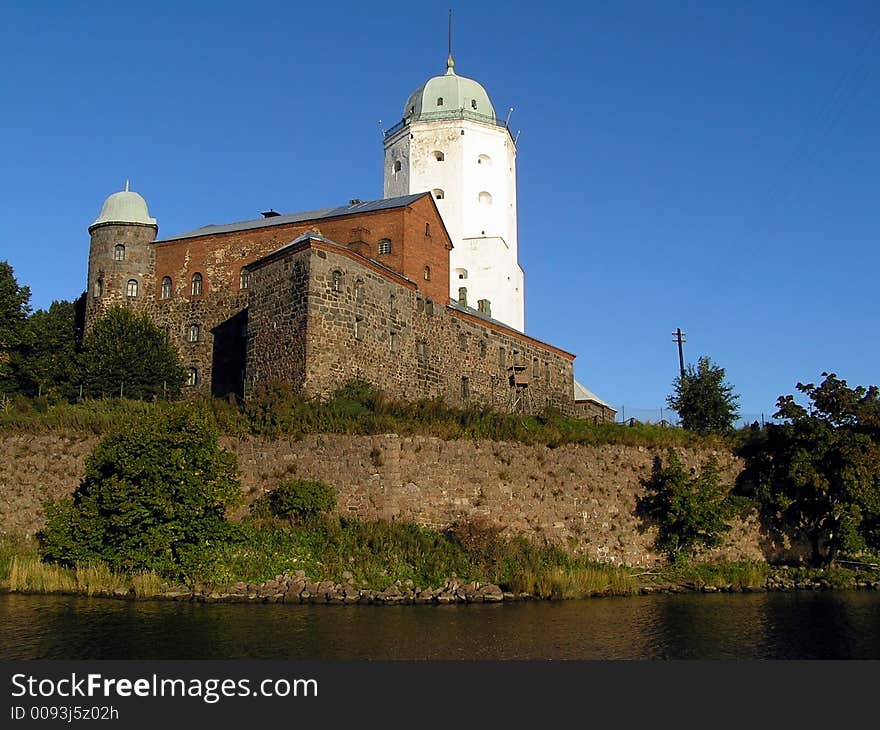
(703, 400)
(47, 361)
(126, 352)
(691, 510)
(817, 474)
(14, 309)
(155, 497)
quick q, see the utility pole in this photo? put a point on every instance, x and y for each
(679, 337)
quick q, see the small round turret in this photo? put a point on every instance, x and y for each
(121, 256)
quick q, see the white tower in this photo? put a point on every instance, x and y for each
(450, 143)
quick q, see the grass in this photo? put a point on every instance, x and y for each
(354, 409)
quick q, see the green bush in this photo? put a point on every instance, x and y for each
(300, 500)
(154, 497)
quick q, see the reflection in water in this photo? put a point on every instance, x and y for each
(761, 626)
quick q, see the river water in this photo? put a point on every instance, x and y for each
(801, 625)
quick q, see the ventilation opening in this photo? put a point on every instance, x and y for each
(438, 194)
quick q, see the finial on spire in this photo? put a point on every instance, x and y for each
(450, 63)
(126, 184)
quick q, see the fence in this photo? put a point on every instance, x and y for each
(667, 417)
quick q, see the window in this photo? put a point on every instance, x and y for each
(461, 273)
(535, 369)
(131, 288)
(547, 371)
(484, 160)
(192, 377)
(485, 198)
(166, 288)
(194, 331)
(359, 291)
(358, 328)
(439, 101)
(462, 296)
(397, 166)
(420, 304)
(427, 273)
(196, 285)
(439, 156)
(119, 252)
(465, 388)
(393, 305)
(473, 103)
(438, 194)
(98, 291)
(502, 357)
(428, 230)
(483, 348)
(394, 342)
(462, 341)
(384, 247)
(244, 278)
(337, 281)
(422, 350)
(429, 307)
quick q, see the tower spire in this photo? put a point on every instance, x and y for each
(450, 63)
(126, 184)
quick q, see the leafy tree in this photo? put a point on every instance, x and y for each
(47, 363)
(126, 349)
(690, 509)
(154, 496)
(14, 309)
(817, 474)
(703, 400)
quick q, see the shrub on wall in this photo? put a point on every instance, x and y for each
(297, 500)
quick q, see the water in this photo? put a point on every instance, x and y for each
(803, 625)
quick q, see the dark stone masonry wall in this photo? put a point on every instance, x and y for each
(383, 330)
(580, 497)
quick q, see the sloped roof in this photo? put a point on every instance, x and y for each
(280, 220)
(583, 393)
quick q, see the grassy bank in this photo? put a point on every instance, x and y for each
(355, 409)
(374, 555)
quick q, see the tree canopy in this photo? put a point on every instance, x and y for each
(704, 401)
(47, 361)
(125, 352)
(154, 496)
(817, 474)
(14, 310)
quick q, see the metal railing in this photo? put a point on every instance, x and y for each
(449, 114)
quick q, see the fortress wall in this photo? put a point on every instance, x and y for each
(581, 497)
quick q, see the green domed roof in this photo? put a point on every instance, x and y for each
(126, 206)
(449, 93)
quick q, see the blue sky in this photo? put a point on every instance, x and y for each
(709, 166)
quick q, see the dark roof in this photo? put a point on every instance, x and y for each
(280, 220)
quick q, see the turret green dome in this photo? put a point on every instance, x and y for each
(449, 94)
(126, 206)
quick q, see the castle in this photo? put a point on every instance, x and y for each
(383, 291)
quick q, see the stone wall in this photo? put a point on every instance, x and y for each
(377, 327)
(581, 497)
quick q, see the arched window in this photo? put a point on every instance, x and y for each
(166, 288)
(337, 281)
(473, 103)
(438, 193)
(427, 273)
(98, 291)
(485, 198)
(359, 291)
(197, 285)
(131, 288)
(244, 278)
(438, 155)
(484, 160)
(392, 307)
(192, 377)
(461, 273)
(384, 247)
(194, 332)
(119, 252)
(428, 229)
(396, 166)
(439, 101)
